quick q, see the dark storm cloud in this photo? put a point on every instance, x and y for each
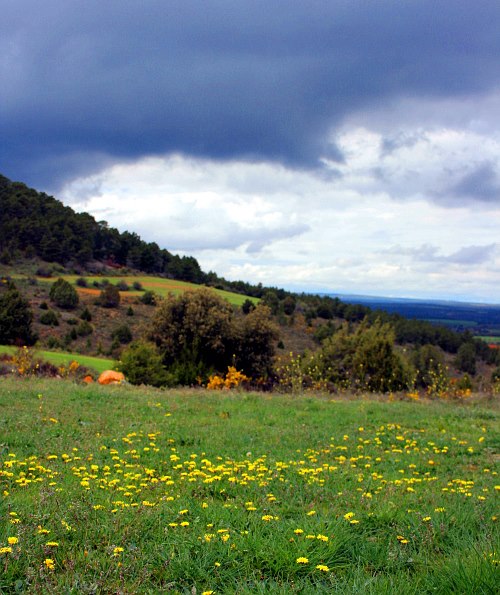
(481, 184)
(82, 82)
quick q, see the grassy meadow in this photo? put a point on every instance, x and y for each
(159, 285)
(62, 358)
(136, 490)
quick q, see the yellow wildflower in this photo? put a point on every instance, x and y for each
(302, 560)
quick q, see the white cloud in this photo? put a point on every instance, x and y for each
(387, 222)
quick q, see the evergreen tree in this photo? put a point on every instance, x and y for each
(16, 318)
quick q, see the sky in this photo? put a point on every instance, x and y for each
(340, 146)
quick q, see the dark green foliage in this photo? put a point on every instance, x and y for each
(5, 256)
(142, 364)
(323, 331)
(82, 282)
(271, 299)
(54, 343)
(110, 297)
(495, 375)
(137, 286)
(247, 306)
(428, 361)
(49, 318)
(44, 306)
(130, 311)
(123, 334)
(86, 315)
(193, 331)
(63, 294)
(465, 360)
(363, 359)
(16, 317)
(44, 271)
(84, 329)
(289, 304)
(36, 223)
(72, 321)
(148, 298)
(122, 285)
(254, 339)
(196, 334)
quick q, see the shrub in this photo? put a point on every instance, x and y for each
(44, 271)
(49, 318)
(54, 343)
(194, 334)
(123, 334)
(16, 317)
(84, 329)
(86, 315)
(130, 311)
(82, 282)
(44, 306)
(122, 285)
(148, 298)
(110, 297)
(63, 294)
(362, 359)
(137, 286)
(197, 335)
(142, 364)
(247, 306)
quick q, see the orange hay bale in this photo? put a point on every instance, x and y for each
(111, 377)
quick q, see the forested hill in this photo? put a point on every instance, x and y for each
(36, 224)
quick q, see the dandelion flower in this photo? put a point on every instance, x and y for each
(302, 560)
(322, 567)
(49, 563)
(5, 550)
(117, 551)
(12, 540)
(298, 531)
(52, 544)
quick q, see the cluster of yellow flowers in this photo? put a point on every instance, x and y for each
(233, 379)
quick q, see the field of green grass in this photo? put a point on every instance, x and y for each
(127, 490)
(60, 358)
(159, 285)
(490, 339)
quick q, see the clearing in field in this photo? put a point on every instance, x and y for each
(145, 491)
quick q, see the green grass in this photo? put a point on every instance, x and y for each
(149, 491)
(159, 285)
(99, 364)
(490, 338)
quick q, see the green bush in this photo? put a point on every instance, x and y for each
(196, 334)
(123, 334)
(110, 297)
(49, 318)
(63, 294)
(122, 285)
(148, 298)
(142, 364)
(84, 329)
(16, 317)
(362, 359)
(86, 315)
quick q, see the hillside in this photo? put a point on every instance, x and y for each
(41, 240)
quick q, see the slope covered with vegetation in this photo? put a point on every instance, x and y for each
(105, 301)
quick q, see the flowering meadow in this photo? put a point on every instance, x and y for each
(137, 490)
